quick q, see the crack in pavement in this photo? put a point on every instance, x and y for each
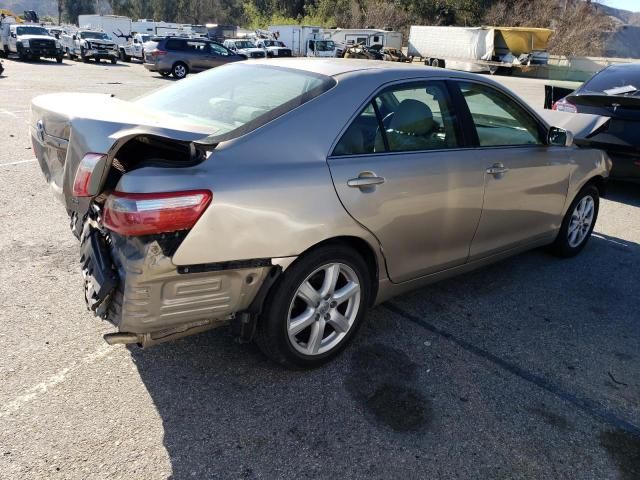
(588, 406)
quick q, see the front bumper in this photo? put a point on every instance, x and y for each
(44, 52)
(132, 282)
(101, 54)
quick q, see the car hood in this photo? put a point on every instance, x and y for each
(582, 125)
(99, 41)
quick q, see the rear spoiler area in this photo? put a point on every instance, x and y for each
(603, 100)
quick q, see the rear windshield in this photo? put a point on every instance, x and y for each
(612, 77)
(235, 99)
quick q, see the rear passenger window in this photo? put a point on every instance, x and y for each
(499, 120)
(174, 44)
(411, 117)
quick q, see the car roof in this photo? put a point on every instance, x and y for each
(339, 66)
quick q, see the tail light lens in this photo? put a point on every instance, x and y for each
(82, 182)
(135, 214)
(563, 105)
(158, 53)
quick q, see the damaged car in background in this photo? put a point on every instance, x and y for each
(613, 93)
(192, 213)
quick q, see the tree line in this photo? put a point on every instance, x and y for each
(578, 25)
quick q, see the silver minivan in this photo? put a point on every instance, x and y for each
(181, 56)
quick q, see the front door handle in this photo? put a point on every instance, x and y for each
(365, 179)
(497, 169)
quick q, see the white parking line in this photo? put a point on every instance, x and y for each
(19, 162)
(59, 377)
(7, 112)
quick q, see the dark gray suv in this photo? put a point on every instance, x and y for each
(181, 56)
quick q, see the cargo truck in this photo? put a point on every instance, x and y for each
(304, 40)
(480, 49)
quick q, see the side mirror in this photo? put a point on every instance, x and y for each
(135, 40)
(13, 35)
(559, 137)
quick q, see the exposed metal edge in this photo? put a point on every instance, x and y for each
(220, 266)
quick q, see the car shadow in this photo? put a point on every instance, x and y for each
(624, 192)
(227, 412)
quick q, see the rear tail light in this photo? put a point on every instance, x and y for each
(82, 182)
(157, 53)
(134, 214)
(564, 105)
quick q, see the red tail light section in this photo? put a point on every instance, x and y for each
(82, 180)
(135, 214)
(564, 105)
(158, 53)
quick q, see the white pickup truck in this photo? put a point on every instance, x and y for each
(89, 44)
(29, 42)
(134, 48)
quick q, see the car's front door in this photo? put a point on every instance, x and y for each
(525, 179)
(401, 171)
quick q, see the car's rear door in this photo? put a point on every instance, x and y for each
(401, 170)
(526, 180)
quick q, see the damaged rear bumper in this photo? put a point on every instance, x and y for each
(132, 283)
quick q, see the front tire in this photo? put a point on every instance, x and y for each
(578, 223)
(316, 307)
(114, 61)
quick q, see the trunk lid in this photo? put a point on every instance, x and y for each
(65, 127)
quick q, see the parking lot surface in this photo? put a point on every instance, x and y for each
(526, 369)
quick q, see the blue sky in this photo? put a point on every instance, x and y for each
(633, 5)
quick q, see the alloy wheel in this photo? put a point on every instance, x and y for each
(581, 220)
(324, 309)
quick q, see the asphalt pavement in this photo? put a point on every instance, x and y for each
(527, 369)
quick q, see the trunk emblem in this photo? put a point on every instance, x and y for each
(40, 131)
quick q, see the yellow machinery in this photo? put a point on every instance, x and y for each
(9, 13)
(519, 40)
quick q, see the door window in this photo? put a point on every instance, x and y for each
(499, 121)
(218, 49)
(411, 117)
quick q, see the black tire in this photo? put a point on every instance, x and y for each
(562, 246)
(59, 59)
(436, 63)
(85, 59)
(114, 61)
(179, 70)
(272, 334)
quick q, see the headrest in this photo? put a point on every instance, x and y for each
(412, 117)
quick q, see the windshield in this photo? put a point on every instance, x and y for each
(325, 45)
(145, 38)
(244, 44)
(273, 43)
(32, 31)
(95, 35)
(235, 99)
(614, 76)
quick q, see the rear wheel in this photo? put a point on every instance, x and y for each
(179, 70)
(315, 309)
(578, 223)
(59, 59)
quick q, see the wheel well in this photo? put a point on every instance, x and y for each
(599, 183)
(364, 249)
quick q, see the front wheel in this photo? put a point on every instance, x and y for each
(59, 59)
(114, 61)
(314, 310)
(578, 223)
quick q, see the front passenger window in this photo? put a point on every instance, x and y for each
(499, 121)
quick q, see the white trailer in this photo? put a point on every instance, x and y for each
(479, 49)
(117, 27)
(304, 40)
(367, 36)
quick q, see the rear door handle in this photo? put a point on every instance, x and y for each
(497, 169)
(365, 181)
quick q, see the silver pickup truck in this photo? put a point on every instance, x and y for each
(89, 44)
